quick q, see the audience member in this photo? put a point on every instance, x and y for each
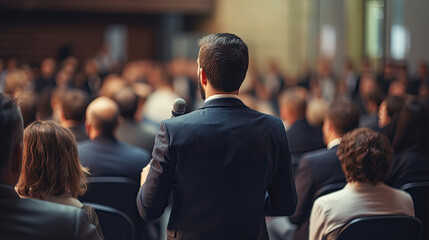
(372, 98)
(365, 156)
(29, 218)
(302, 137)
(46, 80)
(111, 84)
(410, 143)
(51, 170)
(130, 131)
(73, 107)
(316, 112)
(158, 104)
(388, 111)
(320, 168)
(27, 102)
(103, 154)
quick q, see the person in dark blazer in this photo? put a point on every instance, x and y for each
(218, 163)
(302, 137)
(410, 143)
(129, 131)
(72, 112)
(31, 218)
(320, 168)
(103, 154)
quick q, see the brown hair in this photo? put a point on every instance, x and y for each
(365, 155)
(50, 162)
(344, 115)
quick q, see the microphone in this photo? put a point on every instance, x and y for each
(178, 107)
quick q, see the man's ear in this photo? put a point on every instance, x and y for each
(203, 77)
(87, 127)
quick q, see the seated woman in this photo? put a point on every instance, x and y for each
(365, 157)
(51, 170)
(410, 142)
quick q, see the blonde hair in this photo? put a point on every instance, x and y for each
(50, 162)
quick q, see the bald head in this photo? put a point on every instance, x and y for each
(102, 117)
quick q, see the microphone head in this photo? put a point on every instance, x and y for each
(178, 108)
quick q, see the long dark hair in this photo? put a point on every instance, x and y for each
(412, 128)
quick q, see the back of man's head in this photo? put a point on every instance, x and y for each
(74, 104)
(344, 116)
(102, 116)
(292, 105)
(10, 130)
(224, 58)
(127, 101)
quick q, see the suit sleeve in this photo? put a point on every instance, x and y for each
(305, 193)
(153, 196)
(84, 229)
(282, 198)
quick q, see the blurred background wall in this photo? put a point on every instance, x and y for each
(291, 32)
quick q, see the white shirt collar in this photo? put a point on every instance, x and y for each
(216, 96)
(333, 143)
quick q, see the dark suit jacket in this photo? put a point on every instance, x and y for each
(408, 167)
(303, 138)
(105, 156)
(133, 133)
(218, 162)
(23, 219)
(79, 133)
(316, 170)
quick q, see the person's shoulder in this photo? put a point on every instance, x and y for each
(316, 155)
(399, 193)
(53, 210)
(133, 150)
(332, 199)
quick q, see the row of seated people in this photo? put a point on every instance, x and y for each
(103, 154)
(403, 121)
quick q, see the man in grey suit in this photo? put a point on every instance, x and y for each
(31, 218)
(218, 162)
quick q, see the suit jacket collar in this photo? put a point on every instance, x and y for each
(7, 191)
(223, 102)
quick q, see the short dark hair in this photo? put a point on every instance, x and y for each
(224, 58)
(411, 128)
(394, 105)
(127, 101)
(11, 128)
(344, 116)
(365, 155)
(74, 104)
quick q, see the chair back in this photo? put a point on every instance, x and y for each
(328, 189)
(114, 223)
(119, 193)
(382, 227)
(419, 191)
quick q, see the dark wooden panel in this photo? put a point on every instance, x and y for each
(115, 6)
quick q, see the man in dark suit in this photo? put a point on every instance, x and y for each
(103, 154)
(302, 137)
(218, 162)
(129, 131)
(73, 106)
(320, 168)
(31, 218)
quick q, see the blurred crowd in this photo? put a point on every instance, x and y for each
(391, 101)
(153, 86)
